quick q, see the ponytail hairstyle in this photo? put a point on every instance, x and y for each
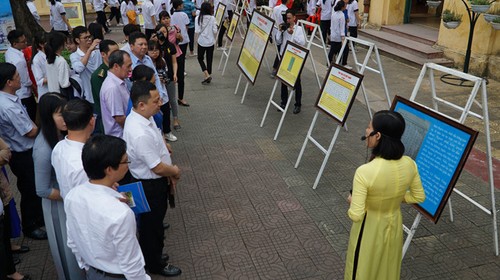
(55, 42)
(205, 9)
(38, 39)
(339, 6)
(391, 126)
(175, 4)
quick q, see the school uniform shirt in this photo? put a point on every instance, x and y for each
(145, 146)
(311, 7)
(326, 9)
(277, 15)
(337, 27)
(272, 3)
(351, 9)
(102, 231)
(297, 37)
(85, 71)
(58, 74)
(33, 10)
(148, 11)
(180, 19)
(14, 123)
(114, 97)
(98, 5)
(39, 69)
(206, 31)
(56, 20)
(123, 12)
(67, 162)
(161, 5)
(16, 57)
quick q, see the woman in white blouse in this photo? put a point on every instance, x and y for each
(39, 64)
(58, 20)
(337, 35)
(206, 29)
(58, 71)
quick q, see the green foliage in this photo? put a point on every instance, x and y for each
(480, 2)
(65, 54)
(2, 57)
(496, 20)
(449, 16)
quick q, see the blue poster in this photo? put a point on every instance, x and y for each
(6, 23)
(437, 148)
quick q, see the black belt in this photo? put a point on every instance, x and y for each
(107, 274)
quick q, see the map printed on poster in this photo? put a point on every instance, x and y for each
(440, 147)
(254, 45)
(232, 26)
(338, 92)
(6, 23)
(291, 65)
(219, 14)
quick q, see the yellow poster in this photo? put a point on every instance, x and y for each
(338, 92)
(232, 27)
(74, 13)
(291, 64)
(219, 14)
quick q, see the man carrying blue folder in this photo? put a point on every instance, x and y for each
(151, 164)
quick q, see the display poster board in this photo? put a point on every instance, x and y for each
(219, 14)
(440, 146)
(292, 63)
(232, 26)
(6, 23)
(338, 92)
(255, 44)
(74, 12)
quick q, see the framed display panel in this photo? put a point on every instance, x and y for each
(232, 26)
(7, 20)
(219, 14)
(440, 147)
(338, 92)
(74, 13)
(255, 44)
(292, 63)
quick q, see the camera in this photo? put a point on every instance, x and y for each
(160, 36)
(284, 26)
(163, 75)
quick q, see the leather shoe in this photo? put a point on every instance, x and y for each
(166, 225)
(296, 110)
(38, 234)
(170, 271)
(22, 249)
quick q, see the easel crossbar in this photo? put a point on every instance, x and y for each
(317, 144)
(487, 211)
(458, 108)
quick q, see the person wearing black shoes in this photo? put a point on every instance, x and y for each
(289, 31)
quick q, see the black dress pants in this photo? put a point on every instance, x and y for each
(7, 266)
(298, 93)
(191, 38)
(101, 19)
(30, 105)
(210, 57)
(165, 109)
(325, 29)
(151, 232)
(22, 166)
(181, 66)
(115, 12)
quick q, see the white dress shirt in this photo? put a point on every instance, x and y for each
(326, 9)
(148, 11)
(181, 19)
(85, 71)
(102, 231)
(56, 12)
(58, 74)
(98, 5)
(297, 37)
(39, 69)
(206, 31)
(337, 26)
(67, 162)
(145, 146)
(114, 97)
(16, 57)
(161, 5)
(351, 9)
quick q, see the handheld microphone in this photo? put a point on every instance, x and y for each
(363, 138)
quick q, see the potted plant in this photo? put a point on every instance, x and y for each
(451, 20)
(496, 23)
(492, 14)
(480, 6)
(433, 4)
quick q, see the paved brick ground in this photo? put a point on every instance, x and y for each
(244, 212)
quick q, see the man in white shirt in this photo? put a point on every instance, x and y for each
(151, 164)
(15, 56)
(279, 13)
(161, 5)
(86, 59)
(149, 15)
(67, 154)
(102, 229)
(114, 93)
(293, 34)
(101, 15)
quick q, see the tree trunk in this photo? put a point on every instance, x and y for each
(24, 19)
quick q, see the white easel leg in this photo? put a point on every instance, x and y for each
(238, 84)
(227, 58)
(327, 156)
(309, 133)
(269, 104)
(411, 233)
(290, 97)
(244, 93)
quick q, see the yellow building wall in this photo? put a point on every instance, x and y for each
(386, 12)
(485, 45)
